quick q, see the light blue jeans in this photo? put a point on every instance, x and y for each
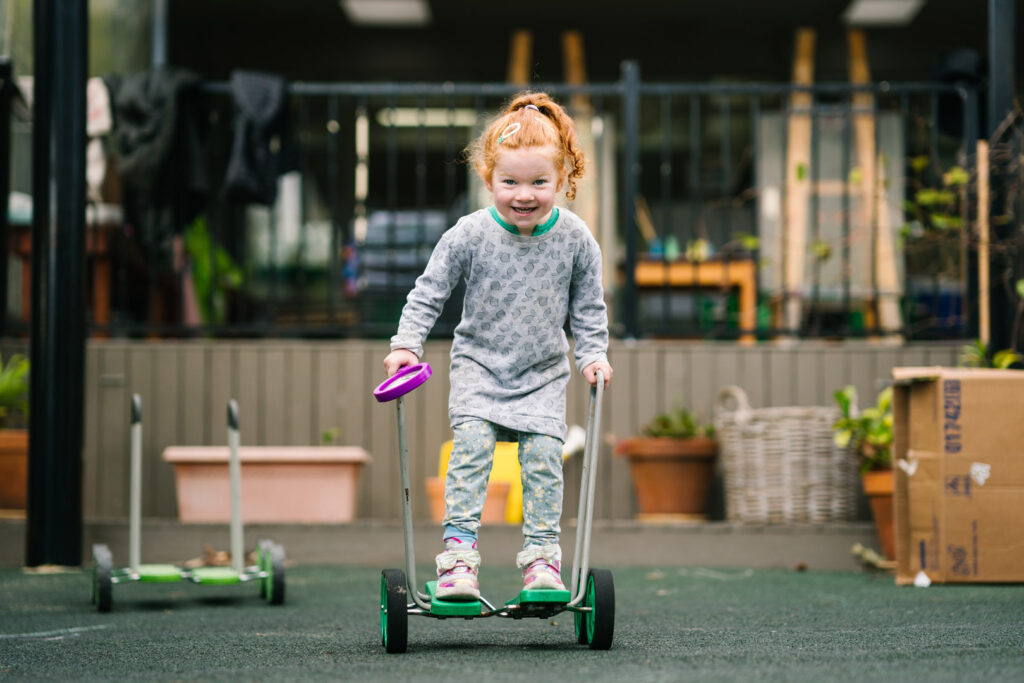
(540, 458)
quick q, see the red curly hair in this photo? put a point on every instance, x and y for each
(549, 126)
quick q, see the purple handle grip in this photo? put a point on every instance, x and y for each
(402, 382)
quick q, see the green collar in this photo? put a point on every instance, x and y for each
(538, 230)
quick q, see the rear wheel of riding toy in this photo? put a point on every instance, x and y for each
(275, 582)
(394, 617)
(600, 598)
(102, 586)
(262, 563)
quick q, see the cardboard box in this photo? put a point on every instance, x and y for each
(958, 450)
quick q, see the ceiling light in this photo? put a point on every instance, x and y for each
(411, 117)
(386, 12)
(882, 12)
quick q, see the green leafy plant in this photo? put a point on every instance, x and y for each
(1018, 315)
(975, 355)
(868, 432)
(13, 386)
(678, 424)
(214, 272)
(934, 215)
(936, 208)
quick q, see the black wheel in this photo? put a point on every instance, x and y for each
(263, 564)
(102, 586)
(394, 617)
(600, 597)
(275, 582)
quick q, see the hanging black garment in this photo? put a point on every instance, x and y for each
(159, 125)
(263, 145)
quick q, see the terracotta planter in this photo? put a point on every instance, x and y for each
(671, 477)
(878, 486)
(494, 505)
(13, 468)
(279, 483)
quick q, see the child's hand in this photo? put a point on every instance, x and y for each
(398, 359)
(590, 373)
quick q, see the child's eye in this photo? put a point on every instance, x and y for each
(509, 181)
(540, 182)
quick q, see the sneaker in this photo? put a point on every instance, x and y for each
(457, 570)
(541, 568)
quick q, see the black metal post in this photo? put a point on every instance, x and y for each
(6, 95)
(54, 529)
(1002, 29)
(630, 182)
(972, 133)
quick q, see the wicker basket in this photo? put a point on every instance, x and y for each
(780, 465)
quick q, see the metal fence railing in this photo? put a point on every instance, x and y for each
(813, 190)
(725, 211)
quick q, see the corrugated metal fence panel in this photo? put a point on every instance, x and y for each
(290, 392)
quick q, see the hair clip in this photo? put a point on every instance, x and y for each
(532, 106)
(510, 130)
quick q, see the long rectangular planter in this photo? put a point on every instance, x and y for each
(279, 483)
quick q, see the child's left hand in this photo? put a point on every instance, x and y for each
(590, 373)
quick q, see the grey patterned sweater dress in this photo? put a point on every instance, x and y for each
(509, 361)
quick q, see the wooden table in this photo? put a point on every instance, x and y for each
(101, 221)
(739, 273)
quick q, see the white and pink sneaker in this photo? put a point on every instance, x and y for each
(457, 569)
(541, 567)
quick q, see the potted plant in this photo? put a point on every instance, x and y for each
(869, 434)
(975, 355)
(672, 462)
(13, 438)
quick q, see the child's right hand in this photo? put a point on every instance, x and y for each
(398, 359)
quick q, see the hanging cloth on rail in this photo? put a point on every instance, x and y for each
(159, 124)
(263, 146)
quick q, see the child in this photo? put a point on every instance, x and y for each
(528, 267)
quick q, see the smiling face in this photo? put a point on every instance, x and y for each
(525, 183)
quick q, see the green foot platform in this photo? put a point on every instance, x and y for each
(451, 608)
(216, 576)
(159, 573)
(540, 597)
